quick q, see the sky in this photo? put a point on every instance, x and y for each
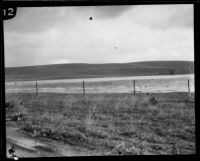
(116, 34)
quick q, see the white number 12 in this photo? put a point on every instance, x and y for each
(10, 11)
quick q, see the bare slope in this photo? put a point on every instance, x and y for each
(78, 70)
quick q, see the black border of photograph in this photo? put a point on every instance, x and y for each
(34, 3)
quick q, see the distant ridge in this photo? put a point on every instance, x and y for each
(82, 70)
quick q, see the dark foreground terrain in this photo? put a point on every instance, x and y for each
(108, 124)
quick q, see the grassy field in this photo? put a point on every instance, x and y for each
(110, 124)
(78, 70)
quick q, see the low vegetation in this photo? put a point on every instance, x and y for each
(78, 70)
(110, 124)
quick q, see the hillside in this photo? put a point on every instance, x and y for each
(78, 70)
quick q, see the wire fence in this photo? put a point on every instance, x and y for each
(113, 86)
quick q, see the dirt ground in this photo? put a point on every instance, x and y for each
(28, 147)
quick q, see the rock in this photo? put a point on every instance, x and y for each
(44, 135)
(19, 118)
(35, 134)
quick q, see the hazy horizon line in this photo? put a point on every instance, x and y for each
(100, 63)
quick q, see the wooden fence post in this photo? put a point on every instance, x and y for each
(134, 86)
(36, 87)
(188, 86)
(83, 87)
